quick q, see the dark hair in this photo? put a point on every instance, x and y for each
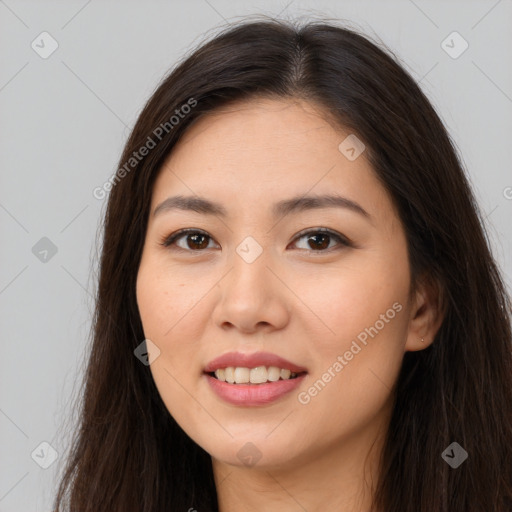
(129, 454)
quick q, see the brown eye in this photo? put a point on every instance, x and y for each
(197, 241)
(194, 240)
(319, 240)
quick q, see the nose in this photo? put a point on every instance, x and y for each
(252, 296)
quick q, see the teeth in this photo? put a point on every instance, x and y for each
(273, 373)
(242, 375)
(258, 375)
(229, 375)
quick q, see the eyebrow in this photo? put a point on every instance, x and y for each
(280, 209)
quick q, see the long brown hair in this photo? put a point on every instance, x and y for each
(128, 453)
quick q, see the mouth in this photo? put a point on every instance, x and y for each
(255, 379)
(258, 375)
(253, 387)
(256, 368)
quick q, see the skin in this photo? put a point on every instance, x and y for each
(294, 300)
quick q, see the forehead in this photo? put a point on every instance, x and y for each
(264, 150)
(244, 128)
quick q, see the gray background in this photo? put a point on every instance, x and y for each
(64, 120)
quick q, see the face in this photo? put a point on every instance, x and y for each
(323, 286)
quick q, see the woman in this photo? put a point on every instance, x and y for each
(297, 307)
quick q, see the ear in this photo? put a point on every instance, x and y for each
(427, 314)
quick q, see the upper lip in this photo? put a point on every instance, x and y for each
(251, 361)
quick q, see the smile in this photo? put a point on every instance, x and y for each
(257, 375)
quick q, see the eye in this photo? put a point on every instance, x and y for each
(196, 240)
(321, 238)
(196, 237)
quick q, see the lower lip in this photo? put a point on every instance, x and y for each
(253, 394)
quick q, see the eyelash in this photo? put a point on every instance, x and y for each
(169, 240)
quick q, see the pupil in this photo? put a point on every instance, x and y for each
(194, 237)
(323, 246)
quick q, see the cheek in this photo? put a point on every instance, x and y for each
(170, 310)
(165, 312)
(357, 338)
(358, 363)
(354, 299)
(166, 300)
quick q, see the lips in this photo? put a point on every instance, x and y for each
(254, 395)
(239, 359)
